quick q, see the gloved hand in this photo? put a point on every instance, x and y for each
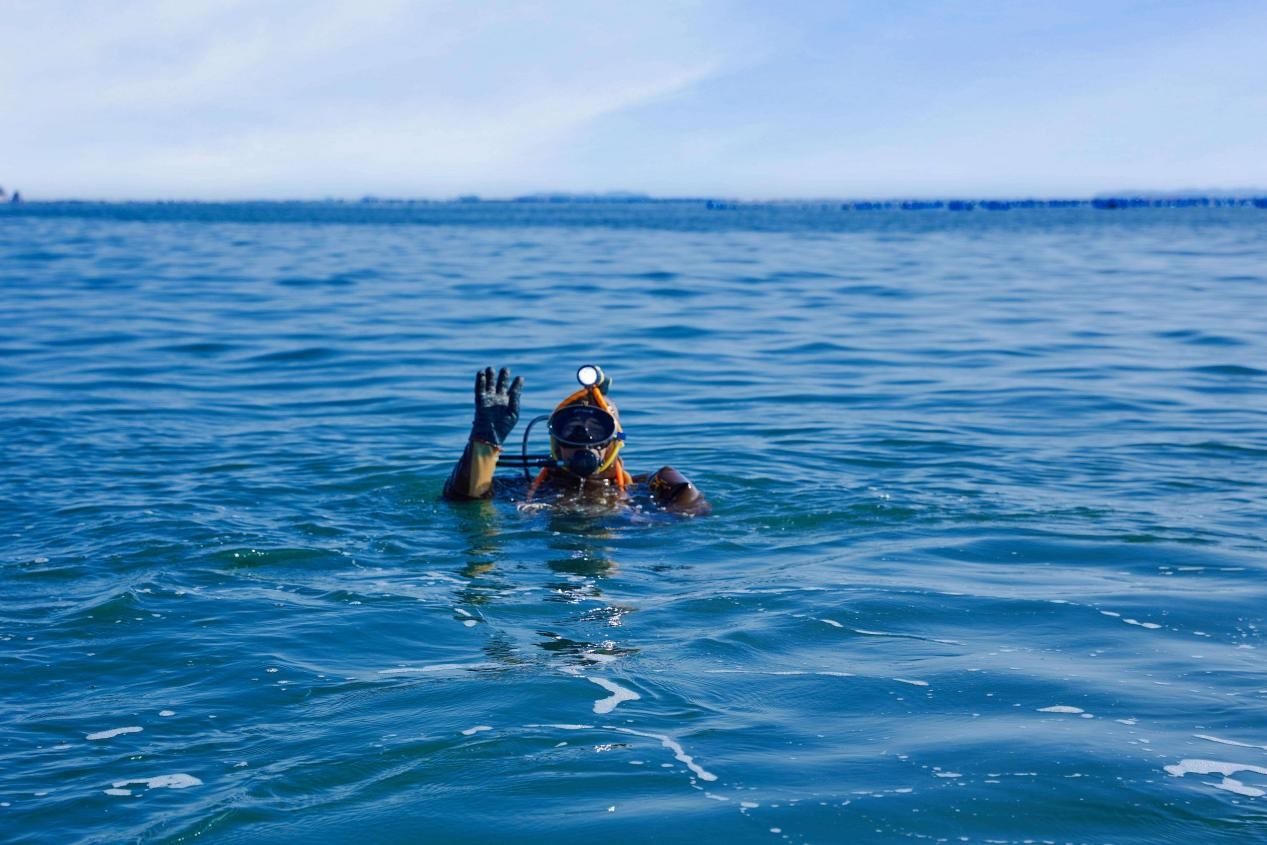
(496, 406)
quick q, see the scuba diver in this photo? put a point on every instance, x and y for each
(584, 463)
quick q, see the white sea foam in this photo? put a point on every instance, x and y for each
(477, 729)
(167, 712)
(911, 682)
(779, 672)
(1060, 708)
(678, 752)
(1218, 767)
(868, 633)
(618, 694)
(434, 667)
(113, 791)
(832, 622)
(1229, 742)
(1234, 785)
(1211, 767)
(177, 781)
(133, 729)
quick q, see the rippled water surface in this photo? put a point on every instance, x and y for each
(986, 563)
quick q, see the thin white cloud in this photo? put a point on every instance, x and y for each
(305, 99)
(233, 98)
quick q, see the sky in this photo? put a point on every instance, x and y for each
(745, 99)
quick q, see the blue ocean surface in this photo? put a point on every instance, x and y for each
(987, 561)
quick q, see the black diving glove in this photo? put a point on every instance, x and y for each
(496, 406)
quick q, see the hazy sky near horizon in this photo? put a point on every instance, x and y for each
(739, 98)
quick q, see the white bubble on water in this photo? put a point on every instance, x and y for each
(618, 694)
(113, 732)
(1218, 767)
(678, 752)
(1221, 741)
(177, 781)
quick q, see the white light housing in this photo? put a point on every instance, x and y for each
(589, 375)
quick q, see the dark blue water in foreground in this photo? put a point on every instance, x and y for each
(987, 562)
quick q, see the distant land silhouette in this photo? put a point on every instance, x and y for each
(1256, 198)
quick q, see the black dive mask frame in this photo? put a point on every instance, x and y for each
(583, 426)
(577, 465)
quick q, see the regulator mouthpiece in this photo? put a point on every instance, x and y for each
(584, 462)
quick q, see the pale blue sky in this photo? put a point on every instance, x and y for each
(735, 98)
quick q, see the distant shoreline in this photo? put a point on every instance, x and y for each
(1106, 202)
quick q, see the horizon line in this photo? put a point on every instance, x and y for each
(633, 197)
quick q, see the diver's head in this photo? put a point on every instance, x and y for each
(585, 437)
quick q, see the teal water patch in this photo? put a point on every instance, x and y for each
(986, 559)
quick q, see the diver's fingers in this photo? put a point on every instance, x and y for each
(516, 388)
(481, 383)
(488, 380)
(503, 376)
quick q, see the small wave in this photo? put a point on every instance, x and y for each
(295, 356)
(1229, 370)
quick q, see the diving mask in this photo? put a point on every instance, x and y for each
(582, 426)
(588, 430)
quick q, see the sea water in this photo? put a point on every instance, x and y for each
(986, 563)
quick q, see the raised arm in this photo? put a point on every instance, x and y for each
(496, 412)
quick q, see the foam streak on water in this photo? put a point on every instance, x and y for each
(987, 561)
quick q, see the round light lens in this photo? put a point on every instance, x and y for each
(589, 375)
